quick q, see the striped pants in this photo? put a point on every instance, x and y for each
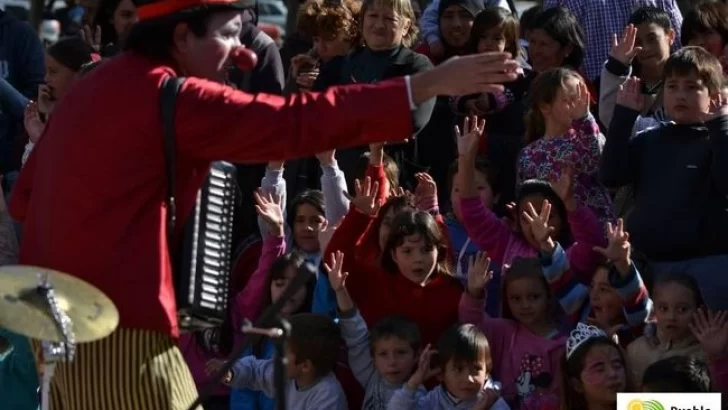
(129, 370)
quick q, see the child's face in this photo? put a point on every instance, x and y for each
(605, 301)
(455, 25)
(559, 112)
(306, 228)
(485, 192)
(385, 227)
(686, 98)
(545, 52)
(603, 375)
(414, 259)
(465, 380)
(674, 309)
(331, 47)
(655, 43)
(710, 40)
(537, 202)
(492, 40)
(279, 285)
(394, 359)
(382, 28)
(528, 301)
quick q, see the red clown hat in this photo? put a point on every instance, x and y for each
(153, 9)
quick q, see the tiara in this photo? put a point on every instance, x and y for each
(581, 334)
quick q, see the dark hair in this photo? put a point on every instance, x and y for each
(497, 17)
(544, 91)
(572, 368)
(563, 26)
(483, 166)
(103, 17)
(316, 338)
(705, 17)
(277, 271)
(154, 38)
(695, 60)
(412, 222)
(647, 15)
(312, 197)
(464, 344)
(683, 279)
(71, 52)
(677, 374)
(536, 187)
(398, 327)
(397, 204)
(522, 268)
(528, 19)
(391, 169)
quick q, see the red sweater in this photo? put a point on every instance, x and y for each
(92, 194)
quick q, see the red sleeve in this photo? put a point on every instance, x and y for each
(376, 174)
(20, 198)
(424, 49)
(349, 234)
(215, 122)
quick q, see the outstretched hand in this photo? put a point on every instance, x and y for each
(618, 248)
(711, 330)
(539, 222)
(479, 274)
(337, 278)
(365, 199)
(630, 94)
(468, 140)
(623, 49)
(424, 369)
(268, 207)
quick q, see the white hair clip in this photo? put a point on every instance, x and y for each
(581, 334)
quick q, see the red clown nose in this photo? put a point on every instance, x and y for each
(244, 58)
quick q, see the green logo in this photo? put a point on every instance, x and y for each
(645, 405)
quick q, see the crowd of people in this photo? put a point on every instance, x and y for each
(547, 244)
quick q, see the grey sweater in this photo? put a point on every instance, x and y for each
(439, 399)
(378, 392)
(254, 374)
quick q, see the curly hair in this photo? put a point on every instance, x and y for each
(330, 19)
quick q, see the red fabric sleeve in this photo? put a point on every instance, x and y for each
(215, 122)
(20, 198)
(376, 174)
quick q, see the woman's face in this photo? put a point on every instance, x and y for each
(208, 56)
(545, 52)
(58, 78)
(455, 25)
(330, 48)
(279, 285)
(711, 41)
(306, 228)
(492, 40)
(414, 259)
(603, 376)
(123, 18)
(382, 28)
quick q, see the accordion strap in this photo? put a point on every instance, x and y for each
(168, 101)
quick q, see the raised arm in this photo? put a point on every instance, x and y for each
(616, 71)
(274, 184)
(565, 286)
(333, 185)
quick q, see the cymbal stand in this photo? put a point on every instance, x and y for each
(54, 352)
(279, 335)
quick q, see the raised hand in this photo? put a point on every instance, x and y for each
(618, 248)
(718, 108)
(337, 278)
(564, 187)
(468, 140)
(268, 207)
(326, 158)
(580, 106)
(32, 122)
(624, 50)
(479, 274)
(711, 330)
(630, 94)
(92, 37)
(365, 199)
(539, 222)
(426, 187)
(424, 369)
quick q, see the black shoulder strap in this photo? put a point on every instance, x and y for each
(168, 100)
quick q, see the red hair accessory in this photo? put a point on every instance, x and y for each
(95, 57)
(167, 7)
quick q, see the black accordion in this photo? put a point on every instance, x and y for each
(202, 264)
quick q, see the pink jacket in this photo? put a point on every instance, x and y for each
(248, 304)
(503, 244)
(527, 365)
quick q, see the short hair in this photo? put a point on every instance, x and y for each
(464, 344)
(315, 338)
(651, 15)
(483, 166)
(398, 327)
(703, 18)
(402, 9)
(695, 60)
(677, 374)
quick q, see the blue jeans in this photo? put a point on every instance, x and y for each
(710, 272)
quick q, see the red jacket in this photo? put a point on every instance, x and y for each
(92, 194)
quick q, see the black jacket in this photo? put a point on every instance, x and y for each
(680, 176)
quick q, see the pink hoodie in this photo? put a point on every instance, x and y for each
(528, 365)
(248, 304)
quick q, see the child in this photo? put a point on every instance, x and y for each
(464, 367)
(561, 132)
(526, 343)
(711, 329)
(593, 370)
(312, 384)
(688, 190)
(647, 39)
(528, 19)
(497, 238)
(706, 26)
(677, 374)
(617, 300)
(487, 186)
(383, 362)
(677, 299)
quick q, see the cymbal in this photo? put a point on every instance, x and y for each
(23, 309)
